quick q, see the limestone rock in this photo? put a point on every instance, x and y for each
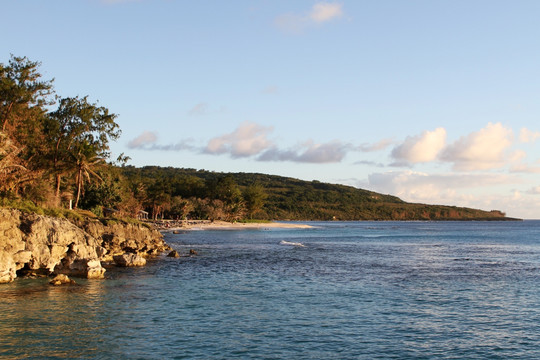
(94, 270)
(8, 270)
(61, 279)
(174, 254)
(127, 260)
(22, 257)
(34, 243)
(119, 238)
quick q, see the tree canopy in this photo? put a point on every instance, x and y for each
(66, 144)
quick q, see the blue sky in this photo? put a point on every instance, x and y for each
(433, 101)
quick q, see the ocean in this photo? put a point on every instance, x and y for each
(341, 290)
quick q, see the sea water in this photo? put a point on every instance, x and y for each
(341, 290)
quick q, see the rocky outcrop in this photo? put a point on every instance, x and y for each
(30, 242)
(128, 260)
(118, 238)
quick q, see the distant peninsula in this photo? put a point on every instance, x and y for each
(271, 197)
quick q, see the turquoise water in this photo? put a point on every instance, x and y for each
(354, 290)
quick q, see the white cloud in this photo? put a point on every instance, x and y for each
(481, 150)
(421, 148)
(320, 13)
(369, 163)
(528, 136)
(524, 168)
(147, 141)
(517, 156)
(380, 145)
(179, 146)
(309, 152)
(247, 140)
(401, 181)
(333, 151)
(449, 189)
(534, 191)
(143, 140)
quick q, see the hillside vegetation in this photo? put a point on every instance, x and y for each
(286, 198)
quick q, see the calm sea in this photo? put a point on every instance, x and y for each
(342, 290)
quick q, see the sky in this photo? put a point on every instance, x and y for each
(436, 102)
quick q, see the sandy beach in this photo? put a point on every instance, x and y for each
(224, 225)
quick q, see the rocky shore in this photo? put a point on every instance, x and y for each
(42, 245)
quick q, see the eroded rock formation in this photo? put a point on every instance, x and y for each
(30, 242)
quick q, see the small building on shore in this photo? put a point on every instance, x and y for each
(142, 215)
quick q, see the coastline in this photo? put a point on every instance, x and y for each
(167, 226)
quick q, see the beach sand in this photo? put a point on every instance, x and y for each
(224, 225)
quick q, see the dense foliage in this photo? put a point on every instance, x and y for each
(54, 154)
(274, 197)
(49, 156)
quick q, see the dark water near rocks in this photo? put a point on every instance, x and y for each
(355, 290)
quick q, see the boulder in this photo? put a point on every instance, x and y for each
(174, 254)
(61, 279)
(128, 260)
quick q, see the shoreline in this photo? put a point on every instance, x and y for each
(172, 226)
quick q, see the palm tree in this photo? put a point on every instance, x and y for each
(85, 161)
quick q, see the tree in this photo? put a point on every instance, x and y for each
(23, 100)
(12, 172)
(23, 95)
(85, 163)
(254, 197)
(180, 208)
(228, 192)
(106, 192)
(78, 131)
(158, 199)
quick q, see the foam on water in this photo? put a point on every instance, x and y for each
(291, 243)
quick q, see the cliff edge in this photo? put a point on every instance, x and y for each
(41, 244)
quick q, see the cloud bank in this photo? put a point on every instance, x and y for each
(379, 145)
(421, 148)
(528, 136)
(143, 140)
(486, 149)
(434, 188)
(481, 150)
(309, 152)
(148, 141)
(247, 140)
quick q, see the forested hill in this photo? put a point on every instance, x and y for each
(282, 198)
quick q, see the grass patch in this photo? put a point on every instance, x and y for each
(254, 221)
